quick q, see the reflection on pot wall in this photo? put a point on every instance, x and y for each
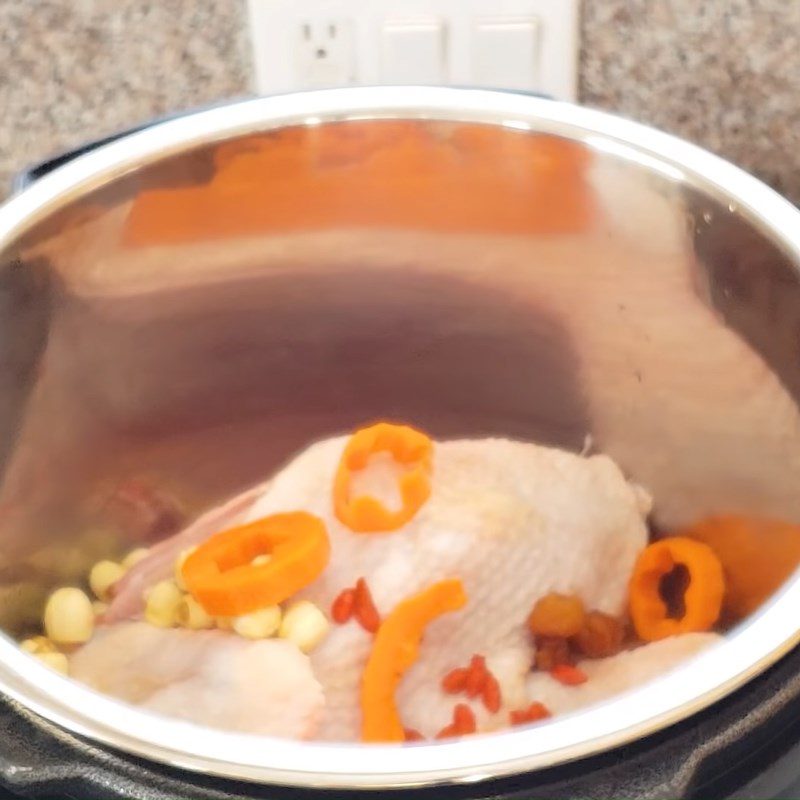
(200, 354)
(723, 74)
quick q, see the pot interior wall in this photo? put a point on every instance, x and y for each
(194, 323)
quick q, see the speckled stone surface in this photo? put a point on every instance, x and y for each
(723, 73)
(73, 70)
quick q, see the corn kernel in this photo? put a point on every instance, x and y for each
(103, 576)
(38, 644)
(68, 616)
(179, 567)
(305, 625)
(162, 603)
(192, 615)
(56, 661)
(134, 557)
(259, 624)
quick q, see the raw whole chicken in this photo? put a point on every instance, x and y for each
(610, 676)
(209, 677)
(512, 520)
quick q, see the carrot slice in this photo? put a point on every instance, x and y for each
(757, 555)
(395, 649)
(220, 574)
(408, 447)
(703, 597)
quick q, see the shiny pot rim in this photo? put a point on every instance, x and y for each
(745, 652)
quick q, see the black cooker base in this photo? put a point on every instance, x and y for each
(746, 746)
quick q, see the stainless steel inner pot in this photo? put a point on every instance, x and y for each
(197, 301)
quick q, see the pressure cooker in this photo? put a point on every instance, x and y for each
(155, 318)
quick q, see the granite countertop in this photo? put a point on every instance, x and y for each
(723, 74)
(72, 72)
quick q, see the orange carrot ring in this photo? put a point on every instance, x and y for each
(220, 574)
(407, 446)
(395, 649)
(703, 597)
(757, 555)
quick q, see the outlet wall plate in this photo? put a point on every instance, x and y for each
(502, 44)
(324, 52)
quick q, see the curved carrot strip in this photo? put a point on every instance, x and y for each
(703, 597)
(408, 447)
(220, 574)
(395, 649)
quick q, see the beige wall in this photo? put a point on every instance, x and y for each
(723, 73)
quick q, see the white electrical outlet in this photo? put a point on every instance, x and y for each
(529, 45)
(324, 52)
